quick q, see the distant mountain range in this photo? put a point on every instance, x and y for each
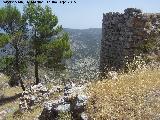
(85, 44)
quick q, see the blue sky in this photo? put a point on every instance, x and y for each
(88, 13)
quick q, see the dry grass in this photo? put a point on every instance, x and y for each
(28, 115)
(13, 106)
(3, 78)
(15, 114)
(11, 91)
(134, 96)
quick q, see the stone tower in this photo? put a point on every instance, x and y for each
(122, 34)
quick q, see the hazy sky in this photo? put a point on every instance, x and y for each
(88, 13)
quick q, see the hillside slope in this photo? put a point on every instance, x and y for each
(85, 44)
(134, 96)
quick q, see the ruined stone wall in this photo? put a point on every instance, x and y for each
(122, 35)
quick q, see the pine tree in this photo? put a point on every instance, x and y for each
(48, 43)
(13, 26)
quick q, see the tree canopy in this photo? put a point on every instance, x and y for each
(47, 45)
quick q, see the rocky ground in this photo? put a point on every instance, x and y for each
(135, 95)
(69, 98)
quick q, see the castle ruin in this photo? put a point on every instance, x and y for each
(122, 35)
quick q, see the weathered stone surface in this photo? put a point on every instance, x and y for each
(33, 95)
(73, 100)
(122, 34)
(55, 89)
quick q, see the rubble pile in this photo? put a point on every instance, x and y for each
(33, 95)
(73, 100)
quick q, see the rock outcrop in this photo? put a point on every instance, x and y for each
(73, 100)
(32, 96)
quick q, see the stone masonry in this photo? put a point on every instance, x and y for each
(122, 35)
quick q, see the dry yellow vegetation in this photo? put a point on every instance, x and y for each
(13, 105)
(134, 96)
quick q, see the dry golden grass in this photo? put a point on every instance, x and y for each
(134, 96)
(13, 105)
(11, 91)
(3, 78)
(28, 115)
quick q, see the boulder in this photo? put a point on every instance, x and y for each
(33, 95)
(56, 89)
(73, 100)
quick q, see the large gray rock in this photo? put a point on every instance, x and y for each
(33, 95)
(55, 89)
(73, 100)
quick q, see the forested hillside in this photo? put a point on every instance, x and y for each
(85, 44)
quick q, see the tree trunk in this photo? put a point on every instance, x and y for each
(22, 85)
(17, 68)
(36, 72)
